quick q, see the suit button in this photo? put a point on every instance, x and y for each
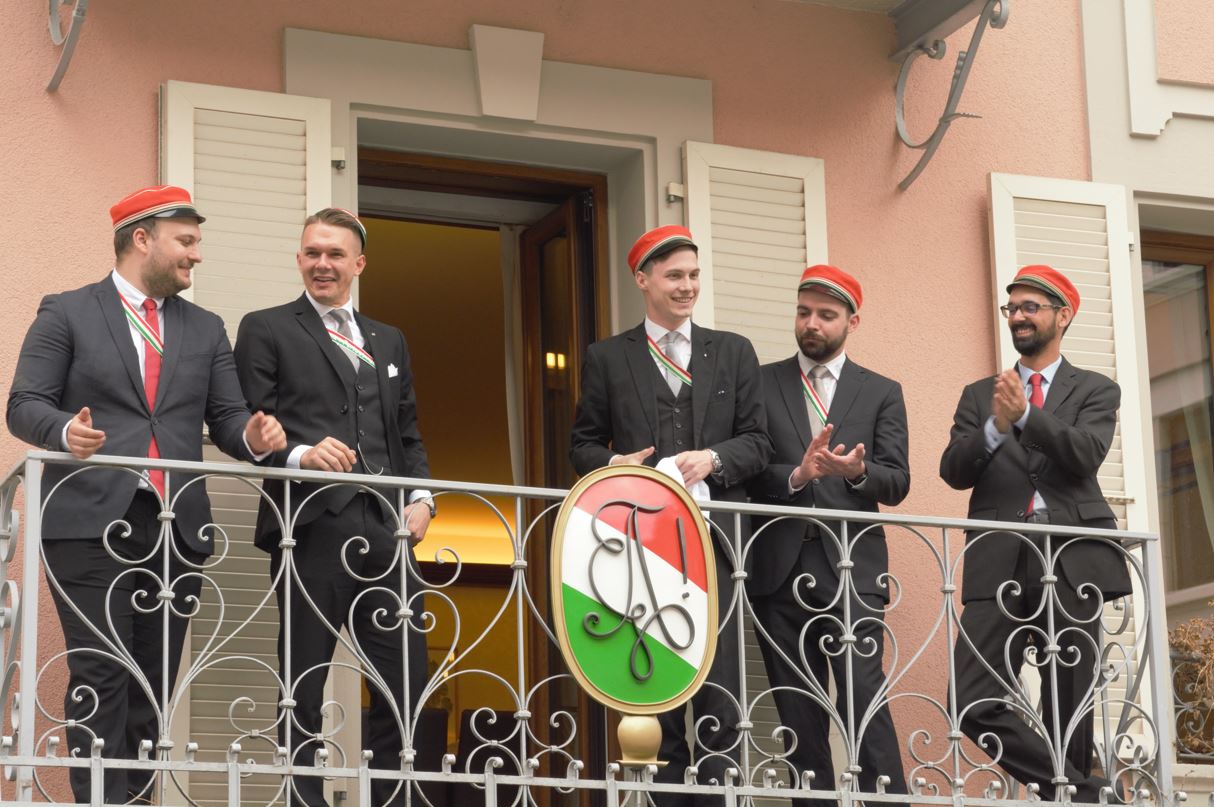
(155, 421)
(677, 410)
(817, 481)
(1033, 477)
(345, 408)
(362, 433)
(361, 409)
(358, 387)
(1019, 514)
(678, 442)
(678, 425)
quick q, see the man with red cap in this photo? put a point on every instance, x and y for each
(669, 388)
(1029, 442)
(125, 367)
(840, 440)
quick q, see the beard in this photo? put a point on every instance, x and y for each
(819, 348)
(161, 279)
(1032, 343)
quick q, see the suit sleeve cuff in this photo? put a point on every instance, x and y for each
(256, 457)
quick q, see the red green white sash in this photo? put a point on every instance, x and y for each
(667, 363)
(141, 325)
(815, 402)
(351, 348)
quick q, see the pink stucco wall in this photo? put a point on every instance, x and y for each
(1182, 41)
(787, 76)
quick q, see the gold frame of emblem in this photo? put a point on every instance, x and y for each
(558, 605)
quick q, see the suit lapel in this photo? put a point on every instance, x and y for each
(115, 320)
(1062, 386)
(703, 377)
(311, 322)
(851, 378)
(376, 346)
(172, 330)
(636, 350)
(788, 376)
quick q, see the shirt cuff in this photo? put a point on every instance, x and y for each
(994, 437)
(858, 485)
(794, 490)
(256, 457)
(295, 455)
(420, 493)
(1024, 419)
(63, 436)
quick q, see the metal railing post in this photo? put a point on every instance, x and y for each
(28, 621)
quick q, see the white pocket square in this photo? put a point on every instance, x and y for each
(392, 371)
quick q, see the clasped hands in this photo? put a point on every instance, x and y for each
(821, 460)
(263, 433)
(695, 466)
(1008, 403)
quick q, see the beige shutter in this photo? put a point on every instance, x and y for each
(1081, 229)
(257, 164)
(760, 219)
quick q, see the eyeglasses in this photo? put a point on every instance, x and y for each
(1029, 309)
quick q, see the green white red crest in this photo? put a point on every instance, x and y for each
(634, 589)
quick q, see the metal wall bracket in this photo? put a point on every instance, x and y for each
(994, 14)
(66, 42)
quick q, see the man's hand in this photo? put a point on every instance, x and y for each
(330, 454)
(1008, 403)
(840, 462)
(694, 465)
(635, 458)
(264, 433)
(808, 471)
(417, 521)
(82, 439)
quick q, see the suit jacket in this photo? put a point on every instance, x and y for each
(79, 352)
(866, 408)
(1058, 453)
(290, 368)
(617, 412)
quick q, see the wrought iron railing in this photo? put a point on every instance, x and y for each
(535, 751)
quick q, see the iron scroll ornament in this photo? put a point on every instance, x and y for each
(65, 41)
(634, 592)
(994, 14)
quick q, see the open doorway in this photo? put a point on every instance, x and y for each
(496, 274)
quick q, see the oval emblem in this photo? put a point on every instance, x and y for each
(634, 589)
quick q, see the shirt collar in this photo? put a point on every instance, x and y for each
(323, 309)
(834, 366)
(133, 295)
(1047, 372)
(657, 332)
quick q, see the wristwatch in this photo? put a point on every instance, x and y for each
(429, 502)
(717, 465)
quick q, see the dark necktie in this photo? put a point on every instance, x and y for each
(151, 381)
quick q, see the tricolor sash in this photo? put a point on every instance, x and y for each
(667, 363)
(815, 402)
(141, 325)
(354, 350)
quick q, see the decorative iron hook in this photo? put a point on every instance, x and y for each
(994, 14)
(68, 42)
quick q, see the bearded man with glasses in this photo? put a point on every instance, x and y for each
(1029, 443)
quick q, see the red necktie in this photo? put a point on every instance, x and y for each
(1037, 399)
(151, 380)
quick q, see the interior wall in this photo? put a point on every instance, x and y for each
(442, 286)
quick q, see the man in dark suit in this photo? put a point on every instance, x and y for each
(1029, 442)
(639, 403)
(125, 367)
(343, 386)
(820, 402)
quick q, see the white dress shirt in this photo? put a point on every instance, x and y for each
(680, 351)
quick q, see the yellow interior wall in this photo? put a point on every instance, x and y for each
(442, 286)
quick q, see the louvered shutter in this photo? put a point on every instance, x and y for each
(257, 164)
(759, 219)
(1081, 229)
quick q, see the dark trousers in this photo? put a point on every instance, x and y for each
(359, 599)
(116, 654)
(784, 619)
(1067, 678)
(715, 739)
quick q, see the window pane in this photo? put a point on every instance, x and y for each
(1178, 350)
